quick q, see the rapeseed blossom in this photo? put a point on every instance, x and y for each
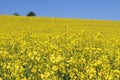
(29, 52)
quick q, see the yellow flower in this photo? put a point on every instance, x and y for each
(34, 52)
(52, 58)
(42, 76)
(55, 68)
(24, 78)
(47, 74)
(72, 74)
(97, 63)
(1, 79)
(33, 70)
(8, 66)
(71, 60)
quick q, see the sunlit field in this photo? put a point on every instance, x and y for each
(39, 48)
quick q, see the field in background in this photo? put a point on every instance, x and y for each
(39, 48)
(44, 25)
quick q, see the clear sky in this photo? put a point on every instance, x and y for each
(88, 9)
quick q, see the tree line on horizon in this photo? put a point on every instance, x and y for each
(31, 13)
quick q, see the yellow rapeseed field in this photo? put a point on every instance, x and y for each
(39, 48)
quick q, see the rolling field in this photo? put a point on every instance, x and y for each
(39, 48)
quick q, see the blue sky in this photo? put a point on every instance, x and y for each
(88, 9)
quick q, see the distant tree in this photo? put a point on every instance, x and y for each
(31, 14)
(16, 14)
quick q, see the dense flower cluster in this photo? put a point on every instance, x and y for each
(35, 49)
(60, 57)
